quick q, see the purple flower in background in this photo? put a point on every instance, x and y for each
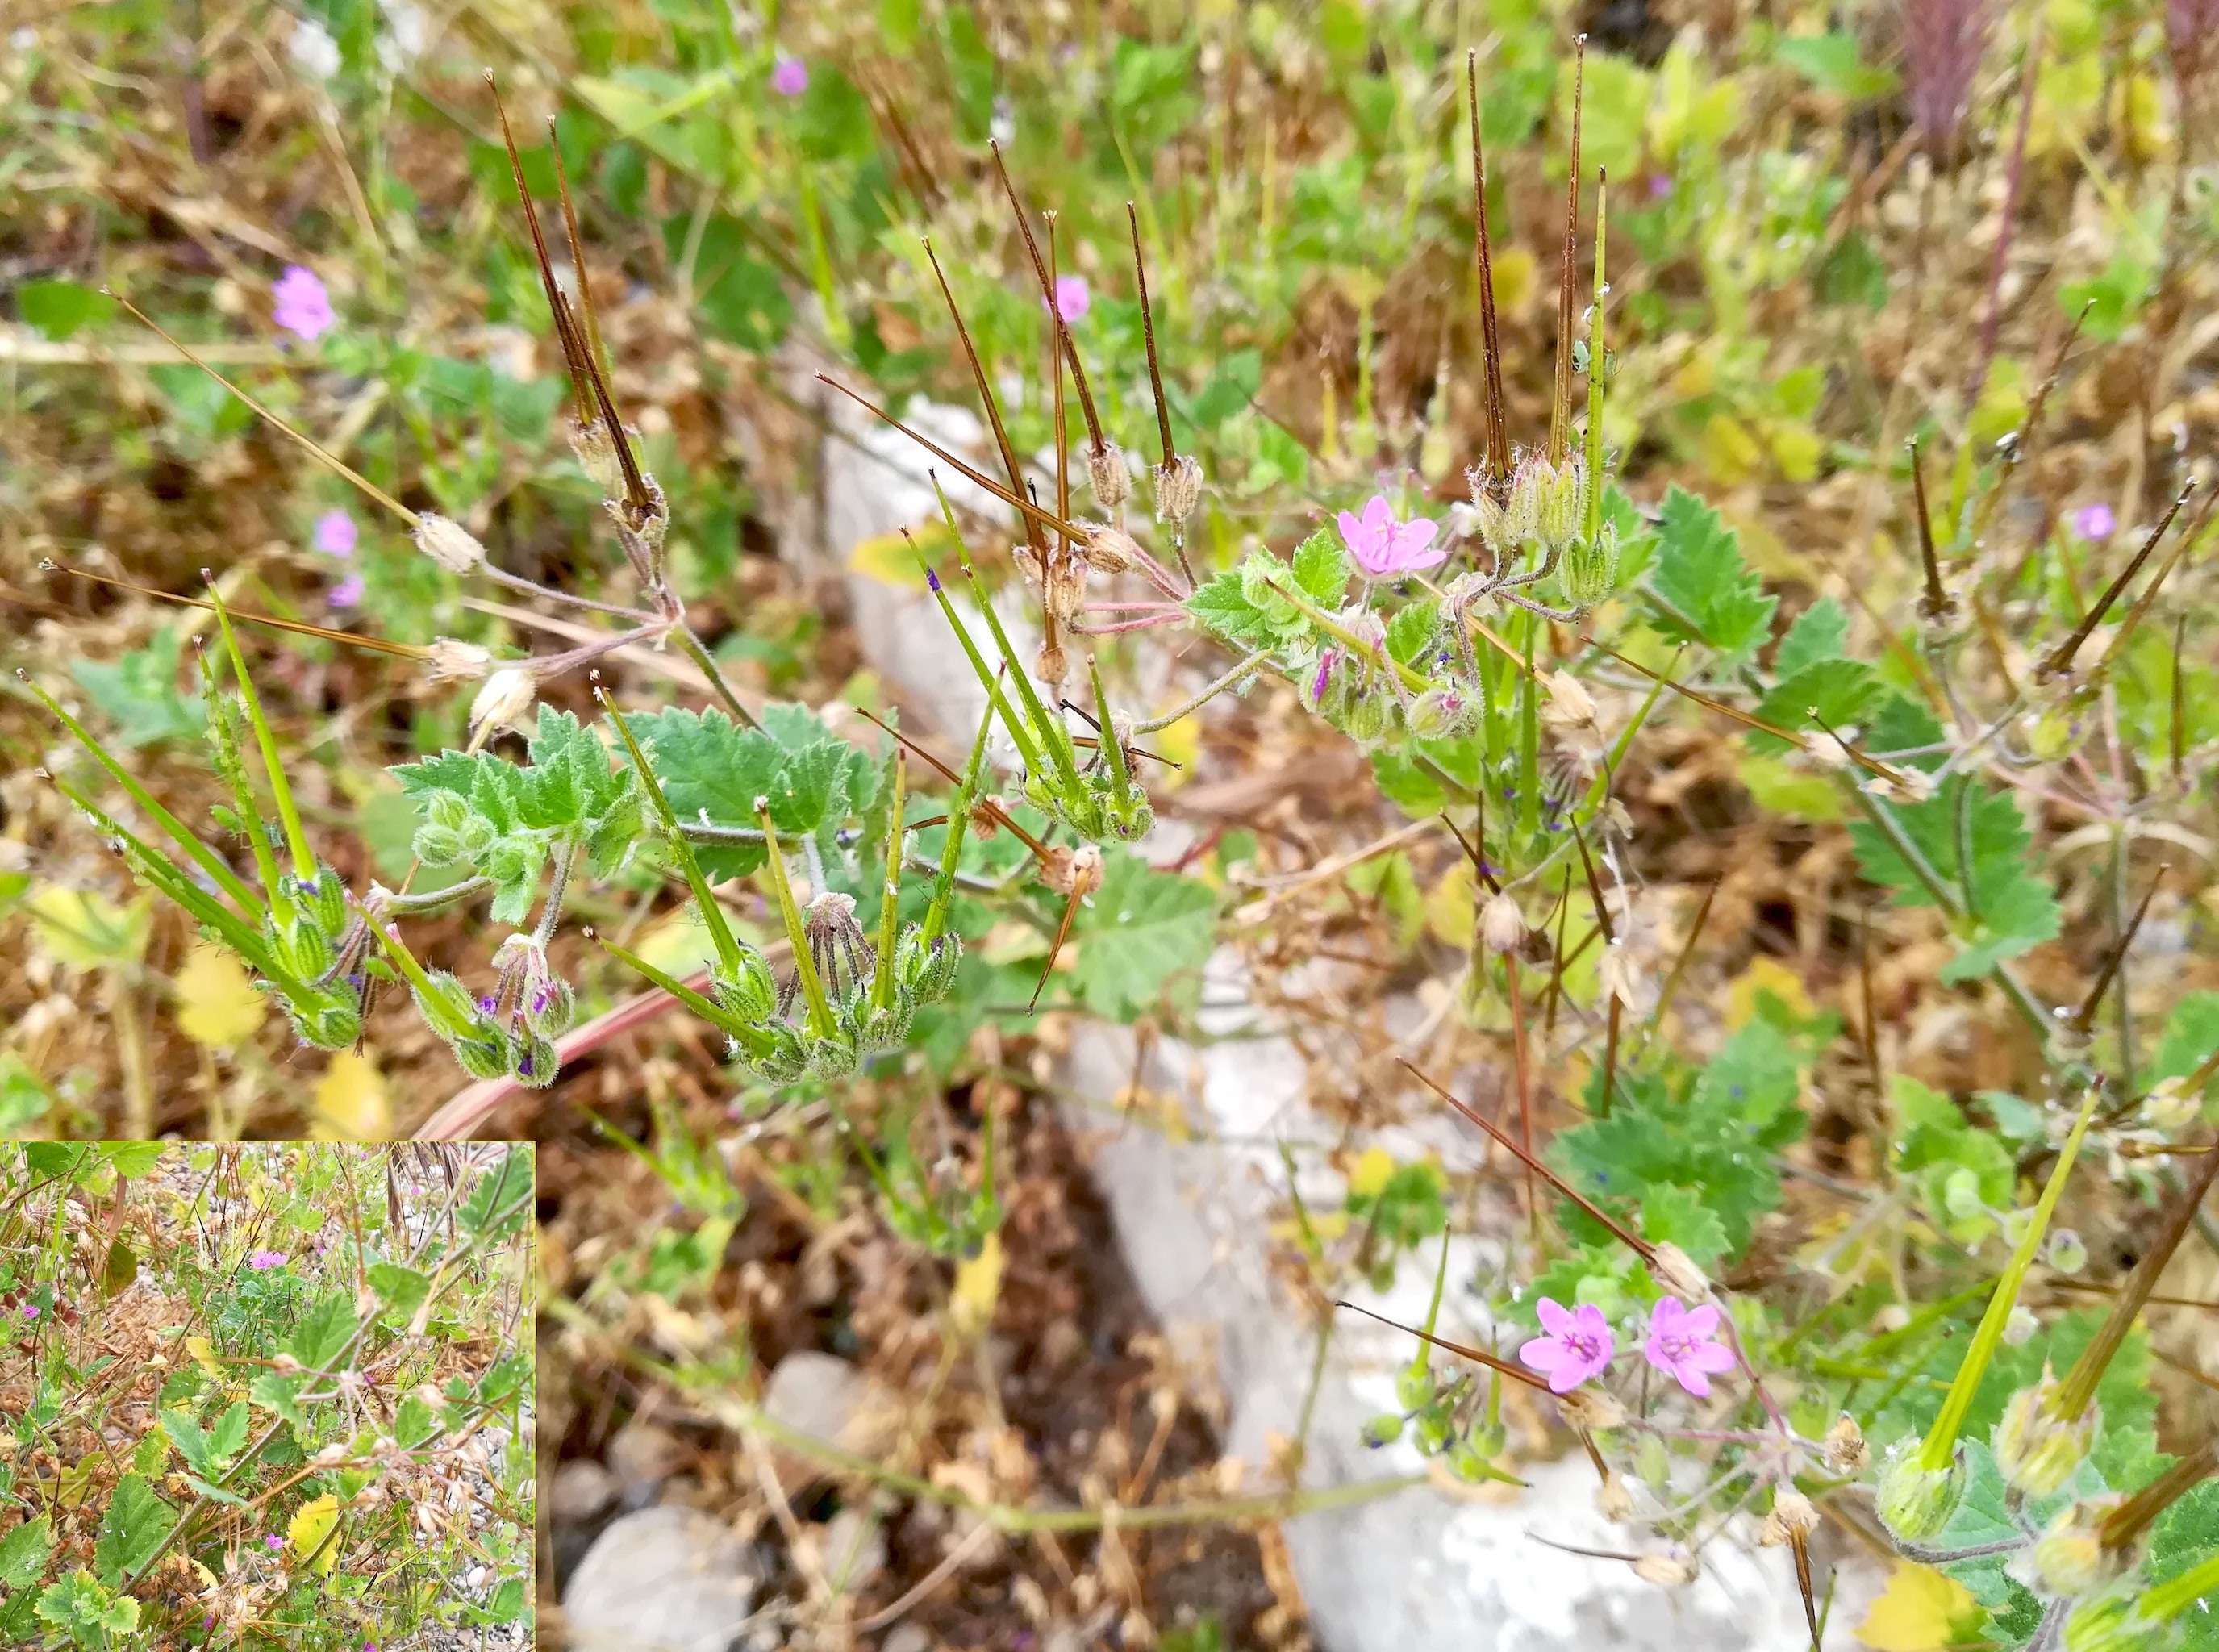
(1943, 44)
(1383, 547)
(302, 305)
(1578, 1345)
(263, 1261)
(789, 76)
(336, 534)
(2094, 522)
(1660, 185)
(347, 592)
(273, 1543)
(1072, 297)
(1680, 1344)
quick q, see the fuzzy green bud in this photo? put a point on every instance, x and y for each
(1558, 496)
(484, 1053)
(751, 995)
(307, 948)
(926, 973)
(831, 1056)
(2037, 1451)
(439, 846)
(1384, 1429)
(1590, 568)
(2069, 1558)
(1413, 1387)
(1371, 717)
(785, 1059)
(478, 834)
(1916, 1503)
(446, 809)
(549, 1004)
(1441, 714)
(2112, 1621)
(509, 859)
(1522, 516)
(323, 898)
(2069, 1252)
(537, 1063)
(327, 1025)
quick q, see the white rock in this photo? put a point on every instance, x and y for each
(581, 1489)
(667, 1579)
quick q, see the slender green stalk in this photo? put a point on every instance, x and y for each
(720, 934)
(804, 962)
(959, 822)
(304, 858)
(882, 979)
(1940, 1450)
(1592, 528)
(2168, 1601)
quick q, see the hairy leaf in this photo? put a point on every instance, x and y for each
(1141, 931)
(1706, 592)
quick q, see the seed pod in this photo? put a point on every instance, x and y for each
(1178, 489)
(1384, 1430)
(752, 995)
(1592, 1407)
(1674, 1269)
(1589, 569)
(832, 1056)
(2037, 1451)
(448, 542)
(1371, 715)
(1111, 550)
(1051, 665)
(452, 662)
(507, 697)
(1613, 1499)
(1792, 1516)
(1501, 924)
(1915, 1503)
(1106, 472)
(1559, 494)
(1493, 526)
(1845, 1449)
(1523, 513)
(2069, 1559)
(926, 972)
(597, 455)
(786, 1060)
(1670, 1568)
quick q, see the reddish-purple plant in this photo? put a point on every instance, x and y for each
(1942, 43)
(1578, 1344)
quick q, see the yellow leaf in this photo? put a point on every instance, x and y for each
(1372, 1173)
(978, 1288)
(1766, 974)
(217, 1004)
(887, 558)
(87, 930)
(1448, 906)
(350, 1101)
(1176, 744)
(1517, 277)
(311, 1525)
(203, 1353)
(1921, 1610)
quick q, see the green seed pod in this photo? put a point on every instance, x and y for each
(446, 809)
(751, 995)
(1372, 717)
(1129, 818)
(323, 897)
(537, 1063)
(1522, 516)
(832, 1056)
(2037, 1451)
(439, 846)
(1589, 570)
(1384, 1429)
(1915, 1503)
(484, 1054)
(1560, 497)
(1415, 1387)
(329, 1026)
(880, 1030)
(926, 973)
(478, 835)
(786, 1059)
(2112, 1621)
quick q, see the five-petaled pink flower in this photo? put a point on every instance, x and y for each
(303, 307)
(1578, 1345)
(347, 592)
(1384, 547)
(1681, 1345)
(273, 1543)
(336, 533)
(789, 76)
(263, 1261)
(30, 1310)
(2094, 522)
(1074, 298)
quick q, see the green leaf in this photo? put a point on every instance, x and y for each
(1820, 632)
(414, 1423)
(87, 1610)
(279, 1395)
(190, 1439)
(1831, 63)
(2185, 1536)
(1676, 1215)
(1140, 930)
(59, 309)
(401, 1289)
(138, 693)
(323, 1334)
(229, 1433)
(710, 768)
(1221, 607)
(739, 296)
(2012, 909)
(23, 1552)
(2192, 1034)
(1707, 592)
(132, 1529)
(1321, 567)
(499, 1199)
(133, 1158)
(505, 1378)
(1831, 692)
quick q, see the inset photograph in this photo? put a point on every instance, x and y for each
(265, 1395)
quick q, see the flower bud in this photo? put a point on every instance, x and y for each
(2068, 1254)
(1589, 569)
(1178, 489)
(2112, 1621)
(437, 846)
(1523, 513)
(1371, 717)
(751, 995)
(2170, 1106)
(1105, 471)
(1316, 684)
(1915, 1502)
(2069, 1559)
(1441, 714)
(477, 833)
(1675, 1270)
(505, 699)
(446, 809)
(928, 972)
(1845, 1449)
(537, 1062)
(453, 662)
(1493, 525)
(307, 948)
(2037, 1451)
(484, 1054)
(448, 542)
(1792, 1516)
(1501, 924)
(1384, 1429)
(1613, 1500)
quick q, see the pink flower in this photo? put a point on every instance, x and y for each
(1680, 1344)
(273, 1543)
(263, 1261)
(303, 307)
(335, 533)
(347, 592)
(1384, 547)
(30, 1310)
(1072, 297)
(2094, 522)
(789, 76)
(1578, 1345)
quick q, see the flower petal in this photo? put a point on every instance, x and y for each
(1542, 1354)
(1555, 1320)
(1702, 1321)
(1712, 1357)
(1693, 1380)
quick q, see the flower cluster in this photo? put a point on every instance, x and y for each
(1577, 1344)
